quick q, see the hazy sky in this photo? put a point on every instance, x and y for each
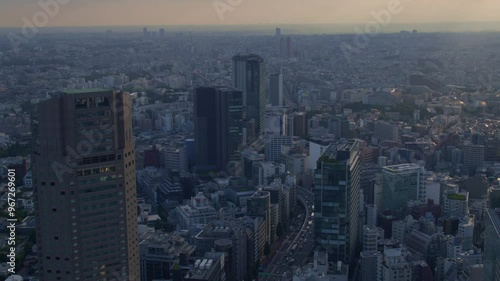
(195, 12)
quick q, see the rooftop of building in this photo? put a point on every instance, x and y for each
(203, 268)
(339, 153)
(84, 91)
(171, 242)
(402, 168)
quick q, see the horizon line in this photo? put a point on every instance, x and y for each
(258, 24)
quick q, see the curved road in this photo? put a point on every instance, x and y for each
(303, 238)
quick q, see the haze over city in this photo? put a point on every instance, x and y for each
(245, 12)
(249, 140)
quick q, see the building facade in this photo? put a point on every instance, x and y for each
(217, 127)
(85, 187)
(249, 76)
(336, 201)
(401, 184)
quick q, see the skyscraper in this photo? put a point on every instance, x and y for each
(492, 245)
(336, 200)
(288, 47)
(84, 187)
(217, 126)
(249, 76)
(278, 39)
(276, 89)
(401, 184)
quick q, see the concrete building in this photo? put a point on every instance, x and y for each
(233, 236)
(159, 251)
(371, 237)
(91, 196)
(322, 270)
(401, 184)
(210, 268)
(198, 212)
(473, 156)
(265, 172)
(176, 158)
(273, 146)
(457, 204)
(386, 131)
(395, 265)
(371, 266)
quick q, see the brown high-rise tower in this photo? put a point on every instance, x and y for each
(84, 183)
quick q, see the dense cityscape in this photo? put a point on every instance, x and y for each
(158, 155)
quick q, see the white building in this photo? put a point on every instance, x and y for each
(371, 236)
(395, 265)
(263, 172)
(176, 158)
(322, 270)
(167, 122)
(457, 204)
(198, 212)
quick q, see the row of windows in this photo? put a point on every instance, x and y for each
(98, 180)
(97, 102)
(98, 188)
(94, 114)
(94, 123)
(56, 258)
(98, 159)
(97, 197)
(98, 206)
(96, 171)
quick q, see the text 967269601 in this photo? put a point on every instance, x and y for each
(11, 221)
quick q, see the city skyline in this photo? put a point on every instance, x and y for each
(223, 12)
(349, 147)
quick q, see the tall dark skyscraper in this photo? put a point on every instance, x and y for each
(276, 89)
(84, 187)
(249, 76)
(336, 200)
(217, 126)
(492, 245)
